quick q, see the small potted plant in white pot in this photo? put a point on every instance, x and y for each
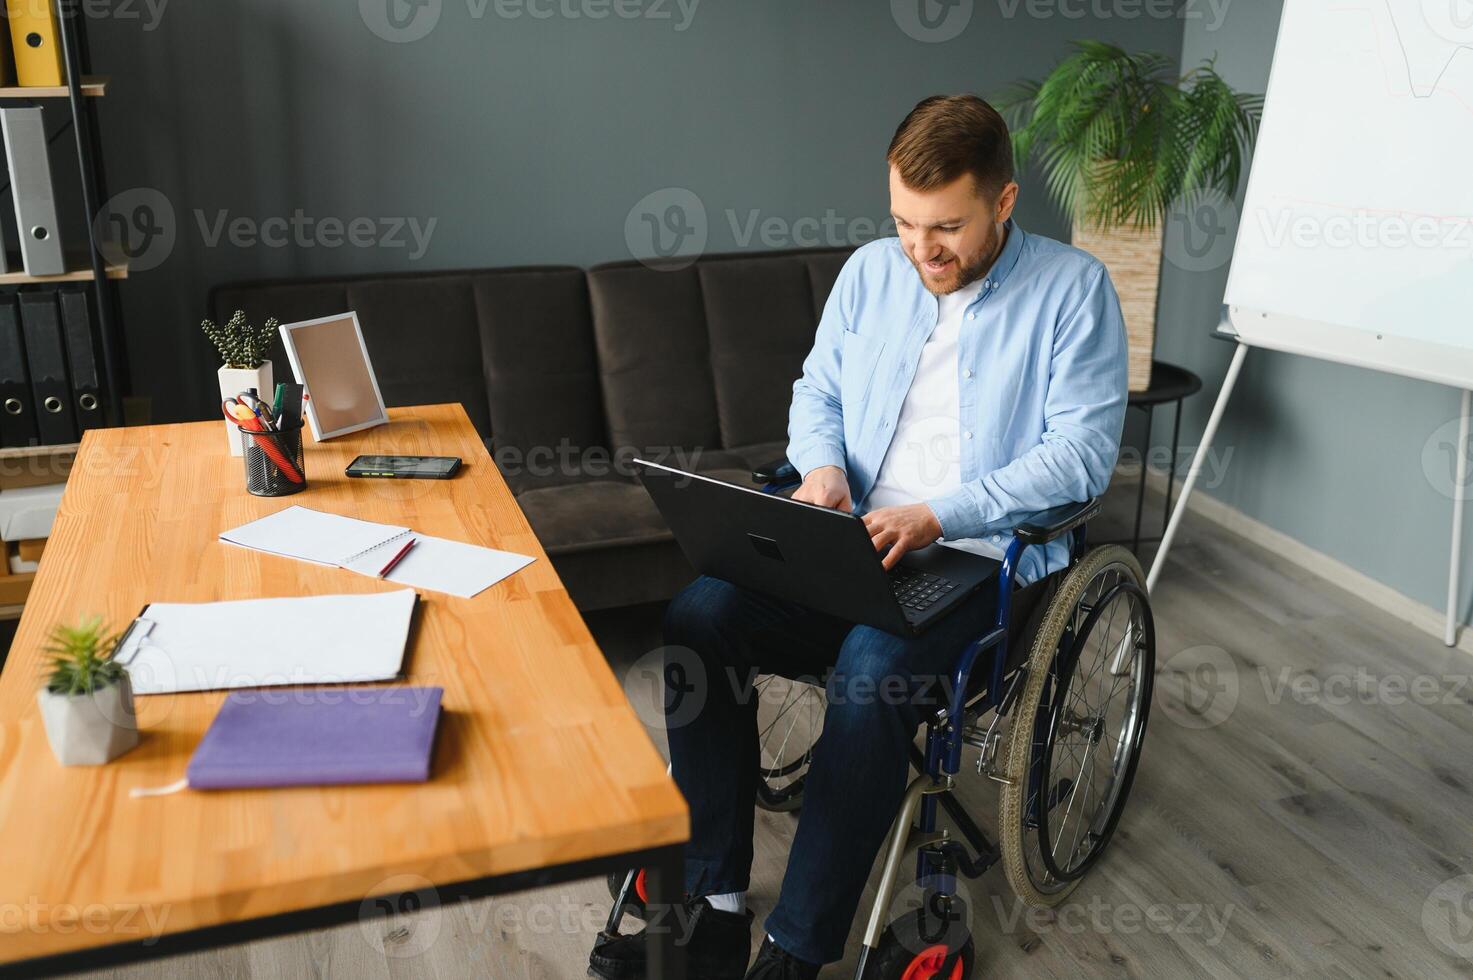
(87, 702)
(243, 350)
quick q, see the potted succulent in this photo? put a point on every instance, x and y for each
(1122, 138)
(87, 701)
(243, 350)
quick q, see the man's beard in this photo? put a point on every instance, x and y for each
(965, 273)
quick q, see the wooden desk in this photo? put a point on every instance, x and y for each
(542, 770)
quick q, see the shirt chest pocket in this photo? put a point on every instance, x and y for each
(859, 362)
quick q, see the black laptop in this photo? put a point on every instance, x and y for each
(814, 556)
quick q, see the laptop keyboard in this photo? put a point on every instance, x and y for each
(919, 591)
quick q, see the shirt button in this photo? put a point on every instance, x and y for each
(967, 373)
(969, 434)
(971, 316)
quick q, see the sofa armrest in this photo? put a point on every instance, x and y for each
(777, 471)
(1047, 525)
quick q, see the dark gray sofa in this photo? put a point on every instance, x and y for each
(569, 373)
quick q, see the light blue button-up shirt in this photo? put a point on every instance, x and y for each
(1041, 371)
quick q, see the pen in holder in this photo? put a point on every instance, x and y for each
(273, 461)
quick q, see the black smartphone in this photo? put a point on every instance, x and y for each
(406, 467)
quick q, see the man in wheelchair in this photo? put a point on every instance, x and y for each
(965, 375)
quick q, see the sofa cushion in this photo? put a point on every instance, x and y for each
(762, 453)
(541, 377)
(398, 316)
(823, 272)
(759, 315)
(706, 354)
(592, 514)
(612, 512)
(654, 358)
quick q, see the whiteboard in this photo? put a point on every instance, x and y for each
(1356, 237)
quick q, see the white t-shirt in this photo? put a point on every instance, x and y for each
(924, 460)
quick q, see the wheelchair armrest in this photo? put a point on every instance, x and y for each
(777, 471)
(1047, 525)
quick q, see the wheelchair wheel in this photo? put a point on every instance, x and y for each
(929, 943)
(789, 720)
(1077, 729)
(634, 903)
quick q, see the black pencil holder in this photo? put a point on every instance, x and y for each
(273, 462)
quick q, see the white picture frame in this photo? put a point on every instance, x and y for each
(347, 396)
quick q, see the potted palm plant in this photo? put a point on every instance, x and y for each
(243, 350)
(87, 701)
(1121, 139)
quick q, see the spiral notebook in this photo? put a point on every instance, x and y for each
(437, 564)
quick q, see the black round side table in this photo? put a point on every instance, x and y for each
(1169, 383)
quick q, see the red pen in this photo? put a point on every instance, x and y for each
(397, 558)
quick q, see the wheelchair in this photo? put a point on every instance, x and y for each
(1055, 697)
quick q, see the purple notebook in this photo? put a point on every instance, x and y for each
(318, 736)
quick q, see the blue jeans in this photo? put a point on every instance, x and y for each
(880, 687)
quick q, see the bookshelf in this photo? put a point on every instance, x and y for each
(43, 465)
(93, 86)
(82, 92)
(115, 271)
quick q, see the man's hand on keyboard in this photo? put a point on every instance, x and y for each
(901, 529)
(826, 486)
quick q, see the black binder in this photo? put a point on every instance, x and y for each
(40, 321)
(76, 322)
(17, 409)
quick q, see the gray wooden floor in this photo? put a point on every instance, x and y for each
(1302, 809)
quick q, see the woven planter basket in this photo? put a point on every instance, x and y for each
(1133, 258)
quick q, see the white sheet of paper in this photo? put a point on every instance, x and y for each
(364, 547)
(444, 566)
(325, 639)
(311, 535)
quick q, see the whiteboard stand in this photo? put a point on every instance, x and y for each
(1460, 494)
(1196, 468)
(1460, 487)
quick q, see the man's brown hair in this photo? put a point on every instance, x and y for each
(946, 136)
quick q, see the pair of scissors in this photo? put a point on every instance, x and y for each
(255, 406)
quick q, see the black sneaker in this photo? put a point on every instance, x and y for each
(775, 963)
(719, 945)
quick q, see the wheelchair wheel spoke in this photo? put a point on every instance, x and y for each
(1087, 744)
(785, 738)
(788, 704)
(1069, 808)
(781, 752)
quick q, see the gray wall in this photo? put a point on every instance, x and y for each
(1331, 455)
(526, 139)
